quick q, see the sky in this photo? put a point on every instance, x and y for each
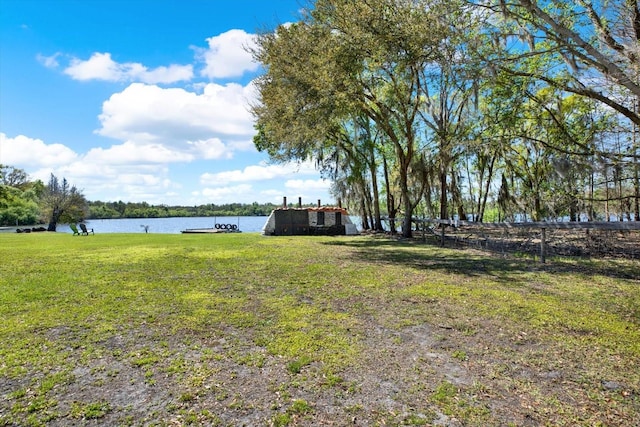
(142, 100)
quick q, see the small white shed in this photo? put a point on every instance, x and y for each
(309, 221)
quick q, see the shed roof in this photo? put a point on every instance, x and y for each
(343, 211)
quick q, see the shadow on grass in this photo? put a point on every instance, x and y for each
(472, 263)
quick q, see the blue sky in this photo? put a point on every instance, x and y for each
(142, 100)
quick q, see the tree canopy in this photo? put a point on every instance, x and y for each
(18, 197)
(460, 108)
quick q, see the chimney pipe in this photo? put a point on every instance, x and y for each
(284, 202)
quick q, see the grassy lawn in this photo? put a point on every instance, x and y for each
(241, 329)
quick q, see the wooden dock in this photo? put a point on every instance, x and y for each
(208, 231)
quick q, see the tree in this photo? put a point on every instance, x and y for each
(62, 203)
(13, 177)
(595, 46)
(348, 59)
(449, 95)
(18, 207)
(18, 197)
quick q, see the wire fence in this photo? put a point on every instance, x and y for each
(540, 239)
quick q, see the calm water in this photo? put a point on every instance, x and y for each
(246, 224)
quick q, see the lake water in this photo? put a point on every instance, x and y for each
(246, 224)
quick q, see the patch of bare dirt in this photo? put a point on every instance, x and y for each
(415, 375)
(227, 380)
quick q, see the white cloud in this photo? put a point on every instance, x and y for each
(227, 55)
(211, 149)
(111, 182)
(122, 172)
(264, 183)
(100, 66)
(309, 190)
(273, 195)
(257, 173)
(130, 152)
(243, 193)
(224, 194)
(307, 185)
(174, 116)
(48, 61)
(242, 145)
(24, 152)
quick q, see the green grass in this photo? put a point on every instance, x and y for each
(188, 316)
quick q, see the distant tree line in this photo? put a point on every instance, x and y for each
(111, 210)
(26, 202)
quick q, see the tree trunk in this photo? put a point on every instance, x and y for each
(573, 202)
(363, 210)
(537, 207)
(369, 207)
(408, 206)
(636, 169)
(443, 193)
(391, 204)
(486, 190)
(392, 214)
(606, 194)
(377, 224)
(591, 194)
(475, 203)
(636, 185)
(53, 221)
(456, 196)
(404, 159)
(376, 220)
(622, 200)
(407, 229)
(477, 215)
